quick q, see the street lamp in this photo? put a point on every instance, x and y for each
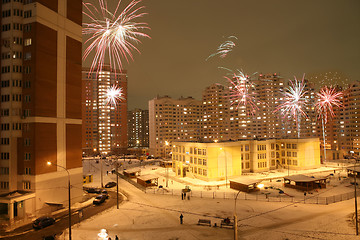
(356, 210)
(167, 170)
(69, 187)
(260, 186)
(235, 218)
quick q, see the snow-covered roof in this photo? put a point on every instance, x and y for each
(147, 177)
(245, 181)
(132, 170)
(302, 178)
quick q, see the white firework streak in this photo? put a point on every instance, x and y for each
(113, 95)
(224, 48)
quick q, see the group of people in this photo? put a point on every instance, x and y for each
(183, 196)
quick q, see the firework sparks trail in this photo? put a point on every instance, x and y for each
(113, 95)
(295, 102)
(328, 98)
(241, 91)
(113, 34)
(224, 48)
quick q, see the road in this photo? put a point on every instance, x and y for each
(28, 233)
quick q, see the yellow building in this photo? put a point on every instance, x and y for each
(224, 160)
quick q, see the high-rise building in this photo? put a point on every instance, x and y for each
(104, 124)
(138, 128)
(173, 120)
(225, 118)
(262, 120)
(40, 106)
(215, 122)
(350, 120)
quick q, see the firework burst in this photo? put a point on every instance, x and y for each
(224, 48)
(113, 34)
(294, 100)
(328, 98)
(113, 95)
(242, 91)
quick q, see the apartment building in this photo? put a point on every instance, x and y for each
(350, 120)
(40, 106)
(138, 128)
(230, 159)
(215, 105)
(104, 124)
(173, 120)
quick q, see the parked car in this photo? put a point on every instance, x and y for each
(42, 222)
(93, 190)
(110, 184)
(104, 192)
(99, 199)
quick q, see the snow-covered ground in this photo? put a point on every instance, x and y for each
(156, 216)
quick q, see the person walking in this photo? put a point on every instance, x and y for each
(181, 219)
(182, 196)
(116, 237)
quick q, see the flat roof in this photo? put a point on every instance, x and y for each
(246, 181)
(132, 170)
(302, 178)
(147, 177)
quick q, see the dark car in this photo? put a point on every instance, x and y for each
(104, 192)
(42, 222)
(93, 190)
(99, 199)
(110, 184)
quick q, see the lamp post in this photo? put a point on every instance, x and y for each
(167, 170)
(356, 210)
(69, 187)
(117, 184)
(235, 218)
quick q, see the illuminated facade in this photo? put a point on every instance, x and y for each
(104, 126)
(215, 122)
(225, 160)
(138, 128)
(173, 120)
(264, 122)
(40, 106)
(350, 120)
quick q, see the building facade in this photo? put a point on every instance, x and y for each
(226, 160)
(349, 128)
(104, 125)
(138, 128)
(172, 120)
(41, 44)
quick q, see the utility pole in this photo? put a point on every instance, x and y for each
(101, 172)
(117, 184)
(235, 219)
(356, 210)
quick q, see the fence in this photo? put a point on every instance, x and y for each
(255, 196)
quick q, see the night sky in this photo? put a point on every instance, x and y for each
(282, 36)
